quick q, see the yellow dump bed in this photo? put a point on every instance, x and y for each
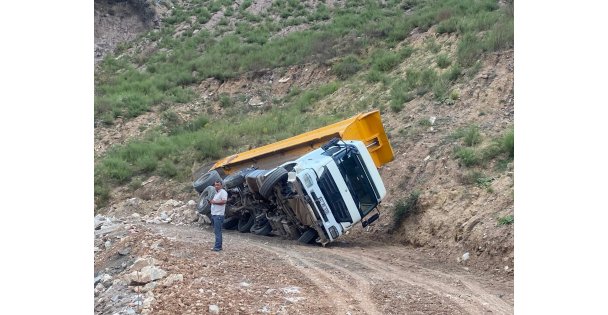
(365, 127)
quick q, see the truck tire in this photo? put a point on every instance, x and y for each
(233, 180)
(274, 178)
(231, 223)
(308, 237)
(263, 229)
(245, 222)
(208, 179)
(203, 206)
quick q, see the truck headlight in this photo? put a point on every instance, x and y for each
(333, 231)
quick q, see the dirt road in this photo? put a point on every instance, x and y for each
(256, 275)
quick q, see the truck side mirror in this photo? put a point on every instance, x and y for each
(371, 220)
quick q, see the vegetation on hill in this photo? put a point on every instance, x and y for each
(366, 43)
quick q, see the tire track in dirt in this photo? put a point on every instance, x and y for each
(361, 291)
(371, 279)
(475, 300)
(366, 297)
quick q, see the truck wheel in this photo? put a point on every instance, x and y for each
(208, 179)
(274, 178)
(233, 180)
(203, 206)
(308, 237)
(263, 230)
(245, 222)
(231, 223)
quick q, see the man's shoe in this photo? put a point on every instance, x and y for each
(216, 249)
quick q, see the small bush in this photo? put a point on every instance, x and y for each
(477, 178)
(448, 26)
(469, 50)
(101, 193)
(135, 184)
(428, 77)
(500, 37)
(406, 51)
(404, 208)
(432, 45)
(168, 169)
(472, 136)
(170, 119)
(506, 220)
(507, 143)
(374, 76)
(225, 100)
(443, 61)
(504, 145)
(347, 67)
(440, 88)
(453, 73)
(467, 156)
(400, 95)
(147, 163)
(384, 60)
(117, 169)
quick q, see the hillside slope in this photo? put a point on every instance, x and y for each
(463, 201)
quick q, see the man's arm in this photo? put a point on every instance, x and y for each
(221, 201)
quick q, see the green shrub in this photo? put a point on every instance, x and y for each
(347, 67)
(440, 88)
(147, 163)
(472, 136)
(432, 45)
(453, 73)
(405, 52)
(477, 178)
(374, 76)
(500, 37)
(170, 119)
(507, 143)
(447, 26)
(443, 61)
(190, 126)
(404, 208)
(428, 77)
(246, 4)
(469, 50)
(400, 95)
(117, 169)
(504, 145)
(467, 156)
(506, 220)
(168, 169)
(135, 184)
(383, 60)
(225, 100)
(102, 193)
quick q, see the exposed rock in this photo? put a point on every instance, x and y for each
(142, 262)
(147, 274)
(214, 309)
(167, 282)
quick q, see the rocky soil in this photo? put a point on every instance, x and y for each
(450, 257)
(161, 263)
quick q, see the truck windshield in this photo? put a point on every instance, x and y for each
(357, 179)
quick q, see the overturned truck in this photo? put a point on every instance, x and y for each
(312, 187)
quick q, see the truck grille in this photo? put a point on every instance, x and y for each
(334, 198)
(321, 210)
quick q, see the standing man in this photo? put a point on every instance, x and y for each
(218, 208)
